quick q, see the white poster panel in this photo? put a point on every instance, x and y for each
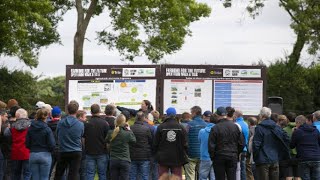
(183, 94)
(246, 95)
(126, 93)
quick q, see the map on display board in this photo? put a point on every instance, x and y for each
(118, 85)
(246, 95)
(181, 93)
(126, 93)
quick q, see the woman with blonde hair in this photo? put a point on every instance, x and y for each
(119, 141)
(40, 141)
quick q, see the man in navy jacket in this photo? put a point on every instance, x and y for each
(306, 138)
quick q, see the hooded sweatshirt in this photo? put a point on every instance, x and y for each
(18, 132)
(307, 141)
(203, 139)
(40, 137)
(70, 131)
(270, 143)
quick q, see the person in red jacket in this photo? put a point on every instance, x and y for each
(19, 152)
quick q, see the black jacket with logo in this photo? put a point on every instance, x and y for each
(225, 140)
(171, 144)
(141, 150)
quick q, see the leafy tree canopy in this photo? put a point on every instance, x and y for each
(26, 26)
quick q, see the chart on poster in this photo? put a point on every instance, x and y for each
(127, 93)
(246, 95)
(182, 94)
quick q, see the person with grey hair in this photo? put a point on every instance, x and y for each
(193, 129)
(306, 139)
(316, 119)
(270, 145)
(140, 152)
(20, 154)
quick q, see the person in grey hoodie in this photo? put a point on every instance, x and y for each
(69, 131)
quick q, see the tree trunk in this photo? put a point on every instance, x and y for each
(294, 57)
(82, 25)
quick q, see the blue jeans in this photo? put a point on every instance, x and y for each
(96, 161)
(310, 170)
(154, 172)
(40, 164)
(19, 168)
(243, 166)
(206, 170)
(139, 169)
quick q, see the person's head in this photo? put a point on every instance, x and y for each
(206, 116)
(155, 114)
(146, 106)
(221, 112)
(291, 116)
(4, 115)
(39, 105)
(196, 111)
(171, 112)
(11, 103)
(282, 121)
(56, 112)
(252, 121)
(309, 118)
(13, 110)
(214, 118)
(73, 107)
(274, 117)
(21, 114)
(238, 113)
(95, 109)
(316, 116)
(140, 117)
(300, 120)
(3, 105)
(186, 116)
(42, 114)
(81, 115)
(265, 113)
(120, 122)
(110, 110)
(230, 113)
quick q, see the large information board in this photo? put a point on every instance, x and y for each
(179, 86)
(121, 85)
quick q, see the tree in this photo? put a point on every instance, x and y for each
(26, 26)
(150, 27)
(305, 23)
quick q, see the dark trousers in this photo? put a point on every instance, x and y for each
(267, 171)
(71, 160)
(223, 167)
(119, 169)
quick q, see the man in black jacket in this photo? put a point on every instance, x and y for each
(170, 145)
(140, 152)
(96, 129)
(225, 144)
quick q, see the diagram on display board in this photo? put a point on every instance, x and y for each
(183, 94)
(127, 93)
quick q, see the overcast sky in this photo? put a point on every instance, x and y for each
(228, 36)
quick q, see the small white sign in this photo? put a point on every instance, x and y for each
(242, 73)
(139, 72)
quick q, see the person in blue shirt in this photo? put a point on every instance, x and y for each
(316, 119)
(193, 129)
(245, 131)
(206, 168)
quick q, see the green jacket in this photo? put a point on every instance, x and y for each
(119, 146)
(288, 129)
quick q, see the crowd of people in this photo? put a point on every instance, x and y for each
(50, 144)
